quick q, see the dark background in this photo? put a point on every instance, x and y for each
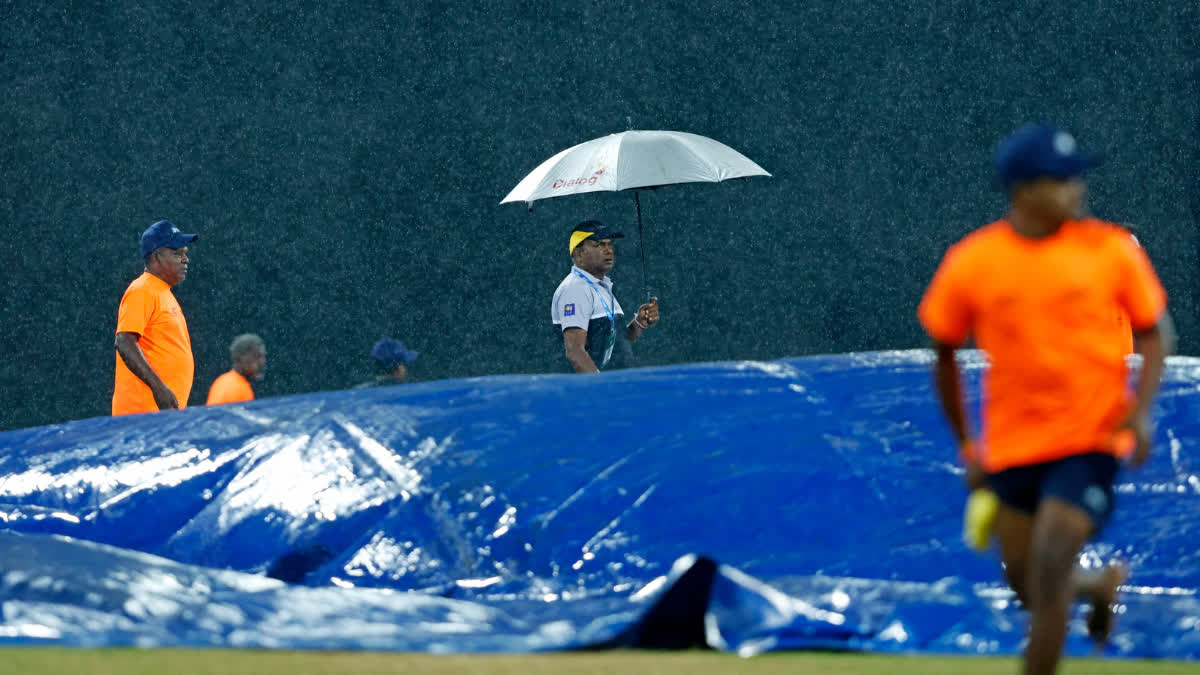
(343, 163)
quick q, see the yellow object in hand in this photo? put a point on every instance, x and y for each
(979, 517)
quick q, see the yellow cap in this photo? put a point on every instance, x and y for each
(577, 237)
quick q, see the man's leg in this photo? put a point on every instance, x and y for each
(1099, 587)
(1086, 482)
(1013, 530)
(1060, 530)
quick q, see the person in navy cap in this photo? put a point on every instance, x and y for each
(153, 348)
(392, 360)
(585, 312)
(1037, 291)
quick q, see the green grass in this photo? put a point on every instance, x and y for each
(230, 662)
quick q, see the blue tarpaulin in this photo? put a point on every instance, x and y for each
(746, 506)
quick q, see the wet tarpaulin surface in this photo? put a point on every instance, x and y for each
(804, 503)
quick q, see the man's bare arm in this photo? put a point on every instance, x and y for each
(574, 341)
(127, 346)
(949, 388)
(1154, 345)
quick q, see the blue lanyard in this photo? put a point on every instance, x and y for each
(611, 339)
(612, 318)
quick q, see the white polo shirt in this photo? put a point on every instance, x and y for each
(580, 302)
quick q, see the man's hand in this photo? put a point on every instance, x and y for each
(647, 314)
(1139, 425)
(164, 398)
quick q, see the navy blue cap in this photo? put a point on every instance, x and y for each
(1040, 150)
(590, 229)
(389, 353)
(164, 233)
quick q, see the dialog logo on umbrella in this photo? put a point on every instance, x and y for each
(591, 180)
(560, 183)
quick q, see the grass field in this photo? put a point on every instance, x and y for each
(27, 661)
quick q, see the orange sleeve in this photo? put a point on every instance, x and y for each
(946, 312)
(137, 306)
(1139, 291)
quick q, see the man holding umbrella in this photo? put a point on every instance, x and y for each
(585, 311)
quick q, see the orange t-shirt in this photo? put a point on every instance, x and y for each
(231, 387)
(1044, 310)
(149, 309)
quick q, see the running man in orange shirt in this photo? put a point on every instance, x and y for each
(154, 351)
(249, 354)
(1038, 291)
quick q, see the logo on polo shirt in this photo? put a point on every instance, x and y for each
(1095, 499)
(569, 309)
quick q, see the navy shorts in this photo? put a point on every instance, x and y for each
(1083, 480)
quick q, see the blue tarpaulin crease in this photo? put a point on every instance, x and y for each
(747, 506)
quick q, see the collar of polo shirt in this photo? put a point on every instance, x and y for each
(606, 281)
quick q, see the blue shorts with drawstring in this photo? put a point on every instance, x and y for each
(1085, 481)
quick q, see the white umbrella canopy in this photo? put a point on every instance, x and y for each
(633, 159)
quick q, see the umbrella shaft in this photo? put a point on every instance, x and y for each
(641, 244)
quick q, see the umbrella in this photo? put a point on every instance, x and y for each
(633, 160)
